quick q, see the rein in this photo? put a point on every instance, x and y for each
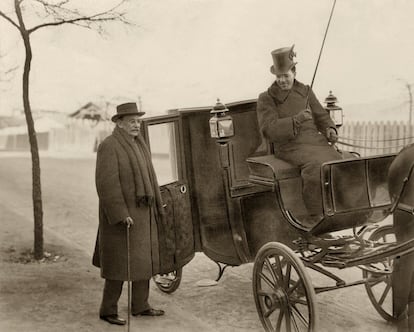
(341, 141)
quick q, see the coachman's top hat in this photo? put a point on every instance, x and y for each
(126, 109)
(282, 60)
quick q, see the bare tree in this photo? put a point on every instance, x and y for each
(8, 71)
(6, 75)
(55, 13)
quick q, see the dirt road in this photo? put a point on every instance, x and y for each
(63, 293)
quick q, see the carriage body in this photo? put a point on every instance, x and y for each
(231, 199)
(236, 202)
(230, 217)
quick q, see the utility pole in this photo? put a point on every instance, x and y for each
(410, 115)
(410, 110)
(139, 104)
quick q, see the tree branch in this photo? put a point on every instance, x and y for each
(7, 75)
(54, 9)
(58, 10)
(9, 71)
(90, 19)
(9, 19)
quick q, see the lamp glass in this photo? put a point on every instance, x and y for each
(337, 116)
(221, 126)
(225, 127)
(213, 127)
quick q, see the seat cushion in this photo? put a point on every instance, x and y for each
(268, 169)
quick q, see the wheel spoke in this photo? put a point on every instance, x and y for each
(300, 301)
(300, 315)
(267, 311)
(287, 318)
(287, 278)
(377, 281)
(267, 280)
(270, 267)
(378, 288)
(270, 311)
(284, 294)
(279, 269)
(261, 292)
(280, 319)
(294, 287)
(295, 325)
(384, 295)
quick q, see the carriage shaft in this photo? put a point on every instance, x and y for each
(397, 250)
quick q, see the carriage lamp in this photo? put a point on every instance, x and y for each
(334, 111)
(221, 124)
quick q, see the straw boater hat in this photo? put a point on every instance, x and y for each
(126, 109)
(282, 60)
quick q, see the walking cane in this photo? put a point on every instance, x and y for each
(129, 280)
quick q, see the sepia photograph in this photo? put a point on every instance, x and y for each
(206, 165)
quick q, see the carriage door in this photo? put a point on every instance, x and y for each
(163, 135)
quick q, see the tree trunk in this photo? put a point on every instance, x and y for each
(36, 184)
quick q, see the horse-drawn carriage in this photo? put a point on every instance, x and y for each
(234, 201)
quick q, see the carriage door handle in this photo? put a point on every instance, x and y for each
(183, 189)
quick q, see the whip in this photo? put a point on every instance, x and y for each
(320, 52)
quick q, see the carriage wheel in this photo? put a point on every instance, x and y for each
(380, 290)
(283, 292)
(168, 282)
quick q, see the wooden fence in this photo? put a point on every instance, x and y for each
(75, 135)
(372, 138)
(79, 135)
(366, 138)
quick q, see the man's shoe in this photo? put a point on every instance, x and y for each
(113, 319)
(150, 312)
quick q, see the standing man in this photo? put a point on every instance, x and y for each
(129, 197)
(300, 129)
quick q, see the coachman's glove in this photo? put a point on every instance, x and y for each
(331, 135)
(303, 115)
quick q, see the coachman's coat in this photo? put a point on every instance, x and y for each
(304, 145)
(276, 109)
(117, 200)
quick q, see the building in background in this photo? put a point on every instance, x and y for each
(80, 131)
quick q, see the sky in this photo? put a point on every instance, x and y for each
(185, 53)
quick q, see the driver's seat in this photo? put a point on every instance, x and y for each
(354, 190)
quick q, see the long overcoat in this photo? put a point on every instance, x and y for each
(117, 200)
(276, 109)
(304, 145)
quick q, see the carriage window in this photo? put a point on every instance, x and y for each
(378, 184)
(162, 140)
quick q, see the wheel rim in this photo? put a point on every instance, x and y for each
(380, 288)
(168, 282)
(285, 298)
